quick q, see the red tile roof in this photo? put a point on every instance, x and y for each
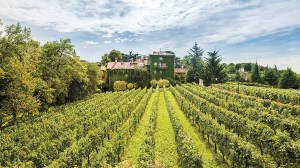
(124, 65)
(102, 68)
(181, 70)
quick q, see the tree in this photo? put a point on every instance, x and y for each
(288, 79)
(141, 77)
(93, 73)
(56, 68)
(231, 68)
(238, 75)
(105, 60)
(18, 59)
(255, 76)
(196, 64)
(186, 61)
(115, 54)
(214, 69)
(130, 57)
(270, 77)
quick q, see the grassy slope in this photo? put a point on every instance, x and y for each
(132, 150)
(165, 145)
(208, 156)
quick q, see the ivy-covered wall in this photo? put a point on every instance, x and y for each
(139, 76)
(161, 66)
(118, 75)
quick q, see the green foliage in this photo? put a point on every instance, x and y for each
(154, 83)
(270, 77)
(120, 86)
(161, 66)
(278, 95)
(147, 153)
(195, 64)
(163, 82)
(228, 143)
(18, 59)
(214, 69)
(130, 57)
(230, 68)
(288, 79)
(34, 77)
(105, 59)
(188, 154)
(160, 83)
(130, 86)
(115, 54)
(139, 76)
(255, 75)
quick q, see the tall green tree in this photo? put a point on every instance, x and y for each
(56, 68)
(196, 64)
(115, 54)
(18, 59)
(105, 59)
(214, 69)
(288, 79)
(255, 76)
(270, 77)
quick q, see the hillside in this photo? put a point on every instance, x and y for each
(178, 126)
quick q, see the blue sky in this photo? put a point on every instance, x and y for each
(242, 30)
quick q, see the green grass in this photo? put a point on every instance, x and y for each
(132, 150)
(165, 145)
(209, 157)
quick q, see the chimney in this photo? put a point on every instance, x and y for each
(116, 59)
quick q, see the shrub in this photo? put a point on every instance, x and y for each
(120, 86)
(130, 86)
(163, 82)
(154, 83)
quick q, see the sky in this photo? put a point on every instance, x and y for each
(266, 31)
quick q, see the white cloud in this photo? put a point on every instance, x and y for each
(89, 43)
(122, 40)
(108, 35)
(107, 42)
(216, 20)
(211, 23)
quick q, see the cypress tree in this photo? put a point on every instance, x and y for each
(255, 77)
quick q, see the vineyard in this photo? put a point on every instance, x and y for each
(181, 126)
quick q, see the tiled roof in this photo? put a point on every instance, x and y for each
(181, 70)
(102, 68)
(124, 65)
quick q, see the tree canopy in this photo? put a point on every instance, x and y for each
(255, 76)
(34, 77)
(214, 69)
(195, 63)
(115, 54)
(288, 79)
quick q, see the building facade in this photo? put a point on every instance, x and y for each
(161, 65)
